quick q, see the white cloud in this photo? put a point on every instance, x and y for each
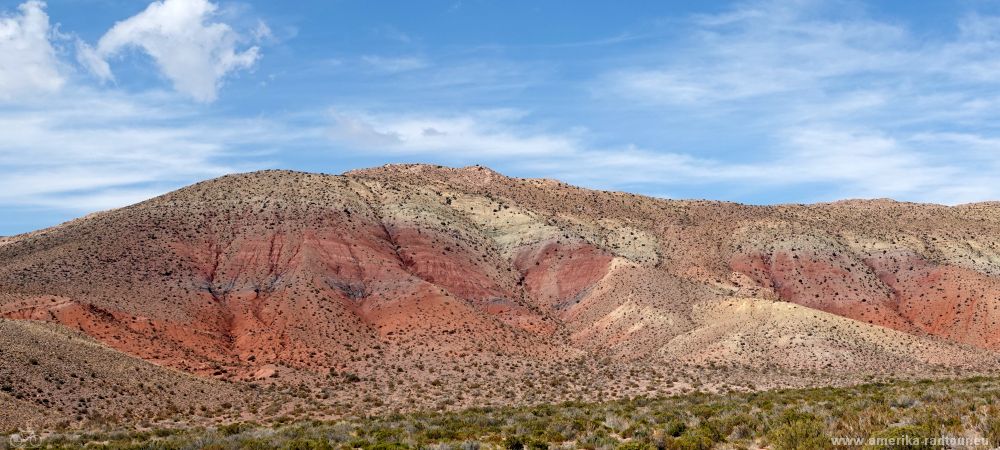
(865, 107)
(194, 52)
(262, 32)
(769, 48)
(865, 163)
(89, 58)
(93, 150)
(86, 148)
(851, 162)
(859, 106)
(489, 135)
(394, 64)
(28, 63)
(502, 138)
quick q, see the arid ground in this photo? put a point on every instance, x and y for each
(415, 287)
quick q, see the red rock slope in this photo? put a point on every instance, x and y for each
(443, 272)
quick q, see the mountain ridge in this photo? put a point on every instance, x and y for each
(418, 166)
(427, 286)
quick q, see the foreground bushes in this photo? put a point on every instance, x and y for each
(799, 431)
(780, 420)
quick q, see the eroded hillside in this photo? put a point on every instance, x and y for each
(417, 285)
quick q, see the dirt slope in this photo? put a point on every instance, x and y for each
(51, 376)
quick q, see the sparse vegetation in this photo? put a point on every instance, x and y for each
(784, 419)
(388, 291)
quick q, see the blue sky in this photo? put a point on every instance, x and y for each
(104, 103)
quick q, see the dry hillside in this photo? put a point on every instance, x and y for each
(413, 286)
(51, 376)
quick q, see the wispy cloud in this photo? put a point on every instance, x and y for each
(852, 162)
(487, 135)
(842, 97)
(801, 101)
(841, 105)
(95, 150)
(392, 33)
(394, 64)
(771, 48)
(506, 139)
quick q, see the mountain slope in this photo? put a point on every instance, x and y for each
(423, 285)
(51, 376)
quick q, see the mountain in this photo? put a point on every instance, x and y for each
(412, 286)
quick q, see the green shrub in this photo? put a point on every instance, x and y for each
(902, 438)
(386, 446)
(990, 428)
(675, 428)
(524, 443)
(254, 444)
(307, 444)
(236, 428)
(635, 445)
(596, 439)
(690, 441)
(806, 433)
(776, 420)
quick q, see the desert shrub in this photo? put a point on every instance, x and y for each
(351, 378)
(934, 422)
(909, 437)
(690, 441)
(617, 423)
(203, 447)
(236, 428)
(596, 439)
(254, 444)
(727, 422)
(675, 428)
(710, 430)
(705, 411)
(796, 430)
(386, 446)
(524, 443)
(635, 445)
(783, 419)
(306, 444)
(383, 434)
(441, 434)
(989, 426)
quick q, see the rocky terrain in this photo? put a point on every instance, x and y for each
(53, 376)
(416, 286)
